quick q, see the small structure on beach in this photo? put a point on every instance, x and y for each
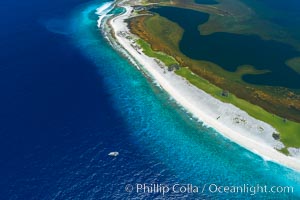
(225, 93)
(173, 67)
(276, 136)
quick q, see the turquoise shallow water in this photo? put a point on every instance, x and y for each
(180, 149)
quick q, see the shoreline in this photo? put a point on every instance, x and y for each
(228, 120)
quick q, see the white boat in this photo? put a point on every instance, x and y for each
(114, 153)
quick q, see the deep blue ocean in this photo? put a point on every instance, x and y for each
(68, 99)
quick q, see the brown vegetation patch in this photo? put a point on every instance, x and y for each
(164, 36)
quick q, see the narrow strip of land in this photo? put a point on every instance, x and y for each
(227, 119)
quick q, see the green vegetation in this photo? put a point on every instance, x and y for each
(166, 59)
(164, 37)
(289, 131)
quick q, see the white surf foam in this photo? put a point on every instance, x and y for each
(103, 10)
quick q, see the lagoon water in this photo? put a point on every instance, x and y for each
(210, 2)
(230, 50)
(71, 99)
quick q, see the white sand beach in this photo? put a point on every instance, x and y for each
(230, 121)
